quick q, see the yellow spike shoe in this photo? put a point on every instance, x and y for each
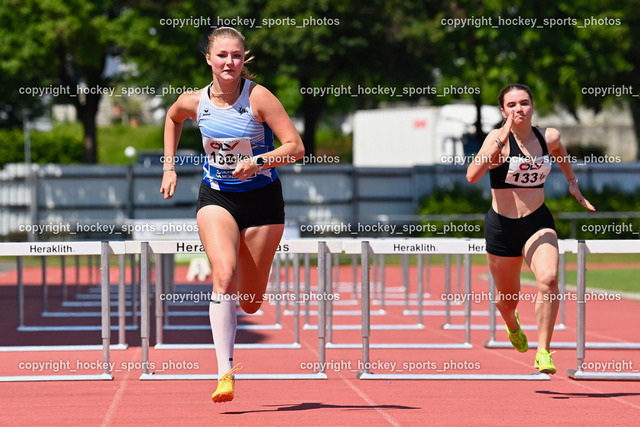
(518, 338)
(544, 362)
(224, 392)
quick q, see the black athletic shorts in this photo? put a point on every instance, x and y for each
(261, 206)
(507, 236)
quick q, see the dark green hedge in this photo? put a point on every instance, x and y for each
(61, 145)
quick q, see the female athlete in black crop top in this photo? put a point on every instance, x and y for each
(519, 170)
(519, 226)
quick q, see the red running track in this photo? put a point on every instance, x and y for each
(340, 400)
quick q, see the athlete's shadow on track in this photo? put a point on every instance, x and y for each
(557, 395)
(316, 405)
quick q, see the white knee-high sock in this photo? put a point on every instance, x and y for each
(224, 322)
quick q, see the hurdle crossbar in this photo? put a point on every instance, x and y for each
(602, 247)
(53, 249)
(451, 246)
(564, 246)
(412, 246)
(295, 247)
(104, 249)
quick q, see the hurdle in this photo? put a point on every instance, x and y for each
(600, 247)
(275, 281)
(165, 267)
(425, 276)
(379, 270)
(94, 291)
(163, 275)
(492, 313)
(164, 283)
(121, 302)
(466, 247)
(160, 249)
(295, 247)
(447, 303)
(334, 247)
(330, 302)
(407, 301)
(81, 248)
(45, 313)
(104, 249)
(403, 246)
(334, 278)
(352, 247)
(66, 303)
(564, 246)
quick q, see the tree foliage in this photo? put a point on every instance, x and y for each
(323, 44)
(52, 48)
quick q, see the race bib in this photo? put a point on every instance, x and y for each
(225, 153)
(528, 172)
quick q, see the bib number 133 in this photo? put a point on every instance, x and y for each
(527, 174)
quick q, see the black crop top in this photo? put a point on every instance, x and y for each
(520, 171)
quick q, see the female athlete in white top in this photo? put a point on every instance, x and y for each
(240, 230)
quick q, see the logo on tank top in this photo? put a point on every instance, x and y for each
(206, 112)
(243, 110)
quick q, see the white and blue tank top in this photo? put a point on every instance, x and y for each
(230, 134)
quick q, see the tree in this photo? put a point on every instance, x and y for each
(629, 15)
(570, 46)
(320, 44)
(58, 50)
(299, 47)
(352, 45)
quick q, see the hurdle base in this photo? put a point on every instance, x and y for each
(484, 377)
(248, 346)
(444, 313)
(211, 377)
(398, 327)
(69, 314)
(603, 376)
(570, 345)
(453, 327)
(404, 346)
(87, 347)
(25, 378)
(273, 327)
(397, 302)
(70, 328)
(184, 313)
(337, 313)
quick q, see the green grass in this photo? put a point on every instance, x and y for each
(332, 143)
(619, 280)
(481, 259)
(605, 258)
(113, 140)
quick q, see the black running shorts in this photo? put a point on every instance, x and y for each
(262, 206)
(507, 236)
